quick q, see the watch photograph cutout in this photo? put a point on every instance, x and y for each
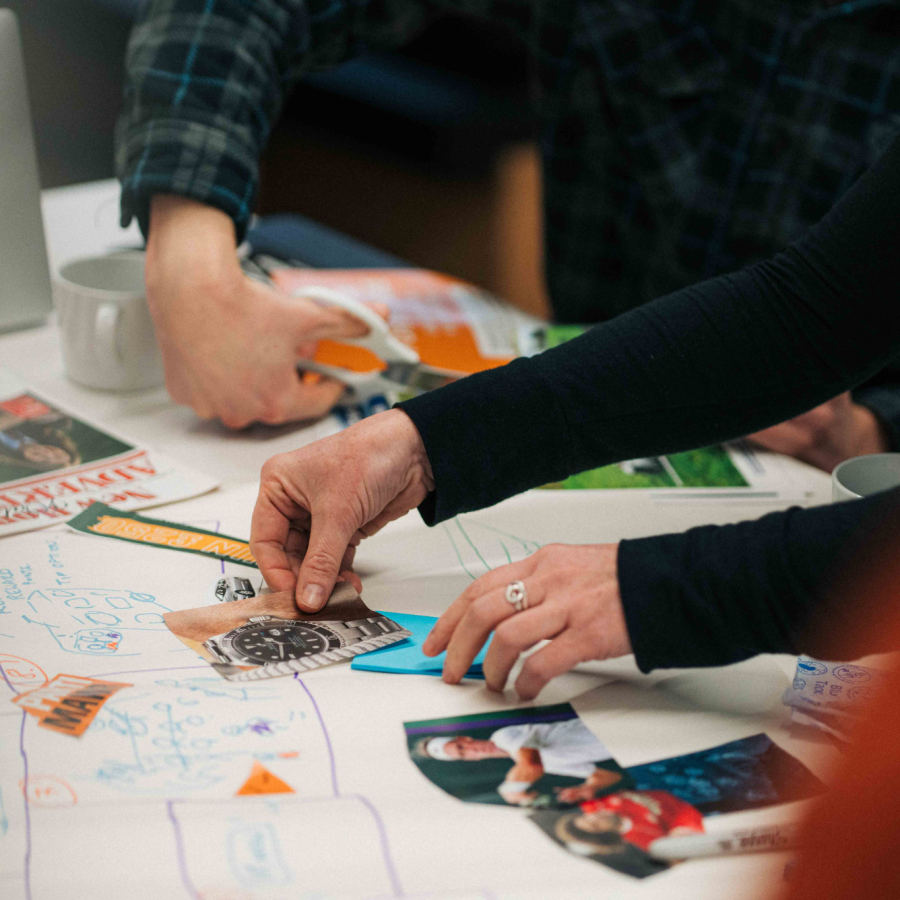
(266, 636)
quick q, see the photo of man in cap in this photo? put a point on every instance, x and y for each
(565, 748)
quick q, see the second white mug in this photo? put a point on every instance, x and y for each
(863, 476)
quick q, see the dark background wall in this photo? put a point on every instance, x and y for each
(74, 52)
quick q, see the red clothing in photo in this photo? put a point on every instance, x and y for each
(647, 815)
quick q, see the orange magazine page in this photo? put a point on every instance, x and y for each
(451, 324)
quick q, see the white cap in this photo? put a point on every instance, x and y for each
(435, 748)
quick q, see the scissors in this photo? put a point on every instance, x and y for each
(402, 369)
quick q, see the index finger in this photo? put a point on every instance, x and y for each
(439, 638)
(269, 530)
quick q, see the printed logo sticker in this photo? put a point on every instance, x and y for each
(68, 703)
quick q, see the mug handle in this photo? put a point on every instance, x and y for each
(107, 326)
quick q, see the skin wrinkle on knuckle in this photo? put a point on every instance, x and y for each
(320, 562)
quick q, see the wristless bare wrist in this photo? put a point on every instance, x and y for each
(415, 448)
(191, 241)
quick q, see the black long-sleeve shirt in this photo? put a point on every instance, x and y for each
(720, 359)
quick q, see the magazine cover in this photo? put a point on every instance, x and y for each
(731, 470)
(451, 324)
(54, 464)
(459, 328)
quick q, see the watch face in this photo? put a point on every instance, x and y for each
(271, 643)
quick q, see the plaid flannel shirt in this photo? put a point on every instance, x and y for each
(681, 138)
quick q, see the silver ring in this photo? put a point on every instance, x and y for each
(517, 596)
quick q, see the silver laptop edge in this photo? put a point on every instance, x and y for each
(25, 293)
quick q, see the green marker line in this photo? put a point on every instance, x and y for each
(456, 551)
(472, 545)
(515, 537)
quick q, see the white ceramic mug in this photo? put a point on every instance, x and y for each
(865, 475)
(107, 335)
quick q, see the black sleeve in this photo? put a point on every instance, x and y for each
(715, 595)
(882, 398)
(715, 361)
(720, 359)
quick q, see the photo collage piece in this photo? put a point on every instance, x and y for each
(672, 797)
(750, 773)
(539, 757)
(617, 830)
(54, 464)
(251, 638)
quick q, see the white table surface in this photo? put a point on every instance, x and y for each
(641, 717)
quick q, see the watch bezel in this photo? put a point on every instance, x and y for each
(227, 647)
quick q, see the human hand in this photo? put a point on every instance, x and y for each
(517, 798)
(574, 602)
(317, 503)
(576, 794)
(827, 435)
(230, 345)
(599, 781)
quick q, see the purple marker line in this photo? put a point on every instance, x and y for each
(179, 847)
(24, 756)
(385, 846)
(139, 671)
(334, 782)
(379, 822)
(216, 530)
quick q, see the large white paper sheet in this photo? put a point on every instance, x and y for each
(156, 799)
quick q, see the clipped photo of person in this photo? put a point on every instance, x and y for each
(539, 757)
(37, 437)
(749, 773)
(618, 829)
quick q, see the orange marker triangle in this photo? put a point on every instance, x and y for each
(262, 781)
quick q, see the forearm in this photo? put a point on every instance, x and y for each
(718, 360)
(205, 83)
(719, 594)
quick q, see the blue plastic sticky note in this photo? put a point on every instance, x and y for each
(406, 657)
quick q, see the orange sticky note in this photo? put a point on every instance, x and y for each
(262, 781)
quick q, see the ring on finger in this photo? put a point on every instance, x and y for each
(517, 596)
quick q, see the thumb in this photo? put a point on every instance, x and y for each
(314, 321)
(328, 542)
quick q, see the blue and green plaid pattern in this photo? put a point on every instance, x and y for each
(681, 138)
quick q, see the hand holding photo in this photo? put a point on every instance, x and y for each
(542, 756)
(267, 636)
